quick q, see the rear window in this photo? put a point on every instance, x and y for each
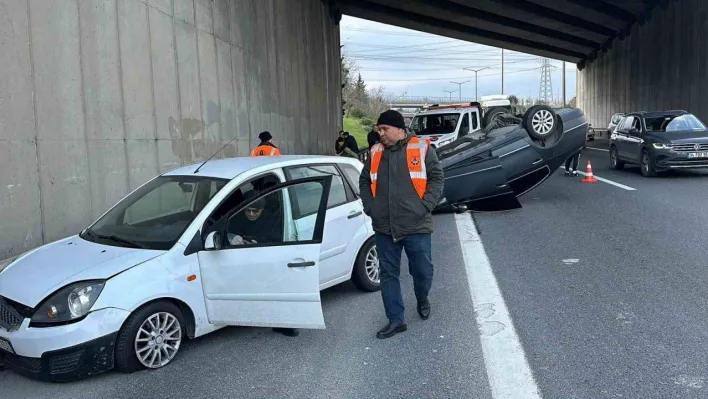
(435, 123)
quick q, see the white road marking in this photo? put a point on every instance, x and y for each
(608, 181)
(597, 149)
(507, 369)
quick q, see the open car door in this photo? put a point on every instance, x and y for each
(257, 269)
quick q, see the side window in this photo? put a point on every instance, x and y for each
(238, 195)
(621, 124)
(475, 120)
(465, 125)
(260, 223)
(352, 174)
(337, 193)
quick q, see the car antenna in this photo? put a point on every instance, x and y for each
(209, 159)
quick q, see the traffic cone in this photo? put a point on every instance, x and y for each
(589, 178)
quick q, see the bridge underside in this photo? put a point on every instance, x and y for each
(569, 30)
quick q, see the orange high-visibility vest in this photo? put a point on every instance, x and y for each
(416, 151)
(264, 150)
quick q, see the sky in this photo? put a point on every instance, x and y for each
(413, 63)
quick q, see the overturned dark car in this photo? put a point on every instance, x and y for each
(487, 169)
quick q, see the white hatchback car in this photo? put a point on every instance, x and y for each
(183, 255)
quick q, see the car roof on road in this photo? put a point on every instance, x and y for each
(228, 168)
(653, 114)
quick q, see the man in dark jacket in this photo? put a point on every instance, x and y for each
(350, 142)
(399, 195)
(372, 138)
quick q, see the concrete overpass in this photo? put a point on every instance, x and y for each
(97, 96)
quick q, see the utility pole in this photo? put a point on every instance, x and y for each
(545, 92)
(476, 97)
(460, 87)
(502, 71)
(450, 92)
(564, 102)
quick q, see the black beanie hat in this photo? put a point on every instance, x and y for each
(265, 136)
(392, 118)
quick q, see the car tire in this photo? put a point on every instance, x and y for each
(646, 166)
(154, 318)
(489, 115)
(615, 162)
(540, 121)
(365, 274)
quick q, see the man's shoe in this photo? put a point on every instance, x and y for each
(288, 332)
(391, 329)
(424, 310)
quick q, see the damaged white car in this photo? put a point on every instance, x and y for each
(164, 265)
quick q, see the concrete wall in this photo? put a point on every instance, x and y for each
(97, 96)
(660, 65)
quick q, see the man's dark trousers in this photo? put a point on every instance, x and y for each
(420, 266)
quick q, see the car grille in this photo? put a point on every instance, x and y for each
(10, 317)
(690, 147)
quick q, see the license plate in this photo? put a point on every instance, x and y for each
(692, 155)
(6, 346)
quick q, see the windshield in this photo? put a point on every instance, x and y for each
(674, 123)
(435, 124)
(155, 215)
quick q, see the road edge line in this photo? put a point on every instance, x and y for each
(508, 371)
(597, 149)
(608, 181)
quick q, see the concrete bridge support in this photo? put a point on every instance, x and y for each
(97, 96)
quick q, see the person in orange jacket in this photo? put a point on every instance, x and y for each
(266, 147)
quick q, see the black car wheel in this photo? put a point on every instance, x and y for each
(615, 162)
(647, 167)
(540, 121)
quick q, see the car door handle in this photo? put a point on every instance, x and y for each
(301, 264)
(354, 214)
(537, 161)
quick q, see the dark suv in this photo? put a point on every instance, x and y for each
(659, 141)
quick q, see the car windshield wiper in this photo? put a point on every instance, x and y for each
(121, 240)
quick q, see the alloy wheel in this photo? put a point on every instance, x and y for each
(542, 122)
(372, 265)
(158, 340)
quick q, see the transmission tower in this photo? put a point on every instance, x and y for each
(545, 93)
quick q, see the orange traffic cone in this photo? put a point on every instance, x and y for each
(589, 178)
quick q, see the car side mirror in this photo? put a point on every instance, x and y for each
(213, 241)
(633, 130)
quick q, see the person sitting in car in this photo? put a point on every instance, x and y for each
(254, 224)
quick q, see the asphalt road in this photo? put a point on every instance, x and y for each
(606, 288)
(440, 357)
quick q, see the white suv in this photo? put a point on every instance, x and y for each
(443, 124)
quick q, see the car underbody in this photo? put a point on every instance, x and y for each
(489, 169)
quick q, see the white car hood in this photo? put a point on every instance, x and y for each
(32, 277)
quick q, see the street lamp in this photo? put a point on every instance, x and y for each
(460, 85)
(450, 92)
(476, 98)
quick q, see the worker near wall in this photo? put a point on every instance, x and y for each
(266, 147)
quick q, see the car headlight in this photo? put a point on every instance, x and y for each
(662, 146)
(70, 303)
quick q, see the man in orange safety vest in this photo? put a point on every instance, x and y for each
(266, 147)
(400, 185)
